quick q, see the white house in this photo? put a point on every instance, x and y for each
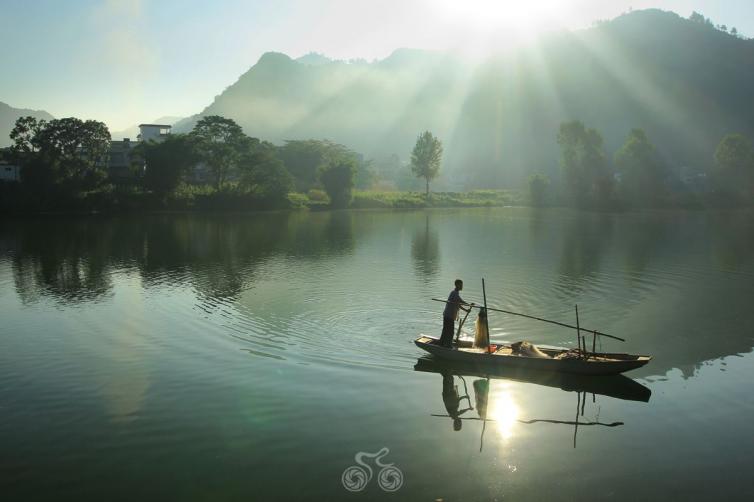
(153, 132)
(119, 158)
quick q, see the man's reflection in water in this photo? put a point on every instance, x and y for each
(452, 399)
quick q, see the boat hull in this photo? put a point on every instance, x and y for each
(596, 364)
(615, 386)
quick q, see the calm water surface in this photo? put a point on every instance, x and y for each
(251, 357)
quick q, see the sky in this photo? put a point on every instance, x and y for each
(130, 61)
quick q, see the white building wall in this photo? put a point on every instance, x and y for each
(10, 172)
(153, 132)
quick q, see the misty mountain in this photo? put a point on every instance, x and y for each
(133, 131)
(8, 117)
(687, 84)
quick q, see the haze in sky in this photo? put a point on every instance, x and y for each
(130, 61)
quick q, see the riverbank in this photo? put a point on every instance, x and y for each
(15, 200)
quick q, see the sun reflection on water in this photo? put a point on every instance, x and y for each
(504, 411)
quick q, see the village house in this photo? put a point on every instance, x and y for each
(9, 171)
(121, 165)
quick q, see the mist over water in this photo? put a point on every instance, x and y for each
(227, 352)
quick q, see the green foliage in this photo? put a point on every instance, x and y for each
(584, 165)
(426, 157)
(166, 162)
(643, 176)
(416, 200)
(734, 164)
(316, 195)
(264, 175)
(305, 158)
(67, 156)
(538, 184)
(365, 175)
(699, 19)
(338, 179)
(220, 143)
(25, 135)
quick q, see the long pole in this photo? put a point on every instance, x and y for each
(578, 328)
(599, 333)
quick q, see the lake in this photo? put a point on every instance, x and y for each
(270, 357)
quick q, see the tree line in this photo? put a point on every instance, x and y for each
(65, 165)
(639, 176)
(65, 160)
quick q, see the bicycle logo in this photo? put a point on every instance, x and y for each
(356, 477)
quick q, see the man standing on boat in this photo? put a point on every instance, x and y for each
(450, 314)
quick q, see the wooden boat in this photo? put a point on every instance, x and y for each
(556, 360)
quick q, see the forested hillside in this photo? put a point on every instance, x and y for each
(685, 82)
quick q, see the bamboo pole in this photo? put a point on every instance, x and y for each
(458, 333)
(576, 424)
(578, 330)
(533, 421)
(599, 333)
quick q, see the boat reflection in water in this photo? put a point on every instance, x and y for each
(500, 408)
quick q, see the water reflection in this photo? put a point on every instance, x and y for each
(452, 399)
(72, 261)
(585, 239)
(497, 405)
(65, 262)
(734, 238)
(644, 237)
(425, 251)
(676, 285)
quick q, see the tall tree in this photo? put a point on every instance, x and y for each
(264, 174)
(584, 163)
(219, 142)
(24, 134)
(426, 158)
(642, 174)
(338, 179)
(68, 153)
(166, 162)
(734, 164)
(538, 184)
(304, 159)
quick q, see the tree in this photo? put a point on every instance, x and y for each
(264, 175)
(304, 159)
(734, 31)
(219, 142)
(642, 174)
(698, 18)
(166, 162)
(584, 163)
(734, 164)
(426, 157)
(338, 180)
(24, 134)
(68, 153)
(538, 184)
(365, 175)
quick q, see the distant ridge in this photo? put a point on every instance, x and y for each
(8, 117)
(687, 84)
